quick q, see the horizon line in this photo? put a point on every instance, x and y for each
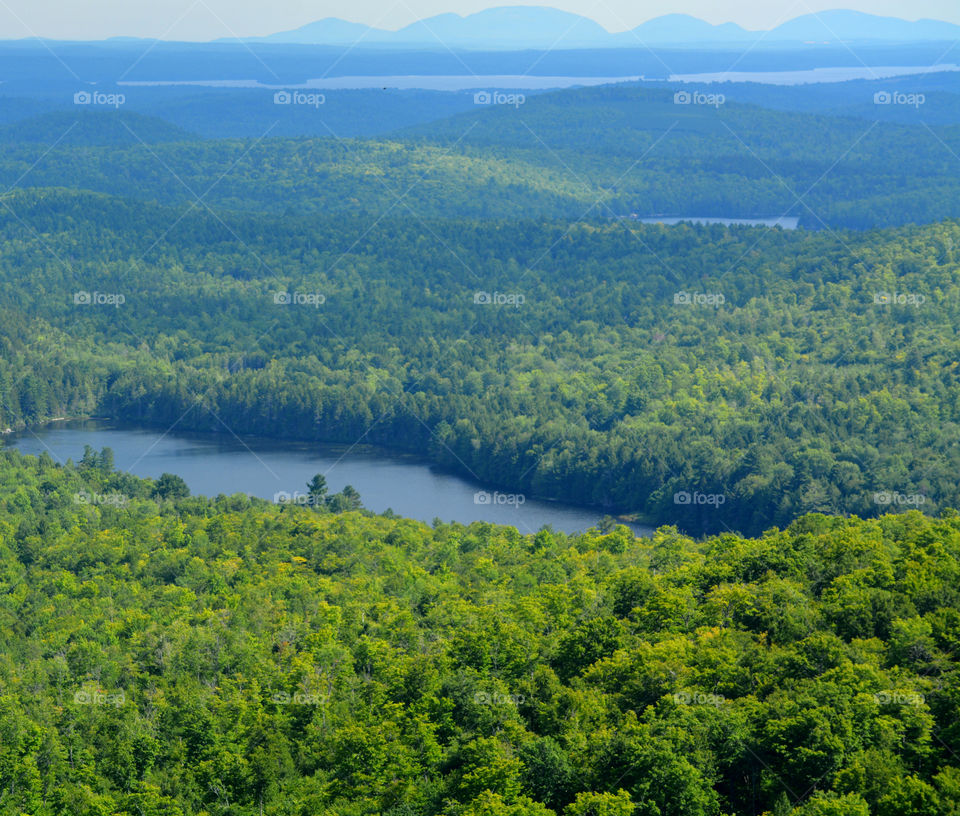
(371, 27)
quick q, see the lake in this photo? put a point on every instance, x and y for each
(816, 75)
(467, 82)
(532, 82)
(213, 464)
(786, 222)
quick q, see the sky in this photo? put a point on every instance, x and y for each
(212, 19)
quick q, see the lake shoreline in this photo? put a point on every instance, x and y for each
(387, 456)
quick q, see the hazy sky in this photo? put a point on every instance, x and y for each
(210, 19)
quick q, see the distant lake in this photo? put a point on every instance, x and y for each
(806, 77)
(213, 464)
(424, 83)
(786, 222)
(440, 82)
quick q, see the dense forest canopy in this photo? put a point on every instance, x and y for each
(187, 656)
(603, 152)
(707, 377)
(785, 404)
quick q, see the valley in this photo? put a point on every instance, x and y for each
(475, 435)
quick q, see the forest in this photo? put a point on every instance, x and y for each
(162, 655)
(641, 369)
(601, 152)
(471, 284)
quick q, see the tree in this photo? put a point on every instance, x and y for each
(171, 486)
(317, 490)
(488, 765)
(346, 499)
(90, 459)
(105, 460)
(830, 804)
(493, 804)
(351, 498)
(910, 795)
(601, 804)
(587, 643)
(547, 775)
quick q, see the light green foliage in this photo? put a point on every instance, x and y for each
(189, 656)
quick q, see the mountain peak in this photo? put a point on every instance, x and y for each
(509, 26)
(543, 27)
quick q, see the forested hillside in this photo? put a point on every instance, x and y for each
(597, 152)
(727, 158)
(469, 280)
(712, 378)
(294, 176)
(163, 655)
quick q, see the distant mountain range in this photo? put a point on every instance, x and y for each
(535, 27)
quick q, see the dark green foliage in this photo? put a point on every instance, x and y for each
(171, 486)
(607, 151)
(169, 655)
(801, 393)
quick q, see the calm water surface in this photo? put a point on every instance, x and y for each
(425, 82)
(815, 75)
(788, 222)
(213, 464)
(440, 82)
